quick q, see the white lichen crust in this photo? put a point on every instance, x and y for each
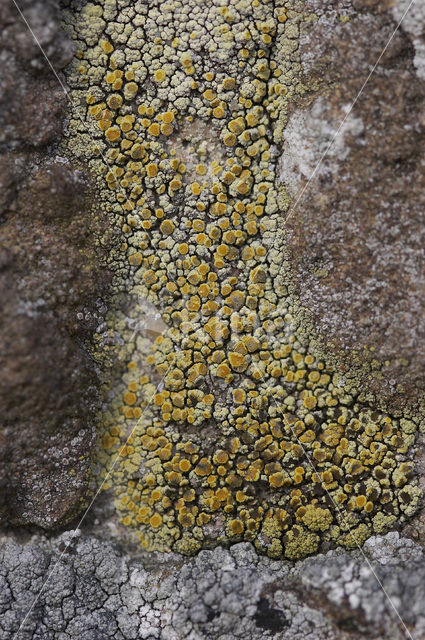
(98, 594)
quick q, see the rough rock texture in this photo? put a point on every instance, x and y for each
(96, 593)
(356, 239)
(51, 283)
(357, 233)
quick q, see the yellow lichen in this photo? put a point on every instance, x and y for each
(239, 429)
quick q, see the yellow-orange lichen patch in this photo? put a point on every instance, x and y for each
(241, 430)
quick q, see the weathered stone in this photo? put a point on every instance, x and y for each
(356, 239)
(32, 101)
(52, 282)
(357, 231)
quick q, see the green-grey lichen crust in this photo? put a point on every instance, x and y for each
(250, 435)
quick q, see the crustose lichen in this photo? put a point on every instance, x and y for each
(251, 435)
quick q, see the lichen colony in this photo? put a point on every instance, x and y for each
(241, 430)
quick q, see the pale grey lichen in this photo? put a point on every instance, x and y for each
(310, 135)
(98, 593)
(413, 23)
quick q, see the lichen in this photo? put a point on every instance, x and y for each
(97, 590)
(239, 430)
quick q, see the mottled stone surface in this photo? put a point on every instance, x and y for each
(357, 233)
(356, 240)
(32, 102)
(51, 283)
(97, 593)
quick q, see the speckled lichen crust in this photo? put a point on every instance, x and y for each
(99, 593)
(250, 435)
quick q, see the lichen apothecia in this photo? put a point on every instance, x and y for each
(179, 107)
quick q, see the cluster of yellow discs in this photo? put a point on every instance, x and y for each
(240, 431)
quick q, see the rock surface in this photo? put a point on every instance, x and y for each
(51, 283)
(357, 232)
(96, 593)
(361, 275)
